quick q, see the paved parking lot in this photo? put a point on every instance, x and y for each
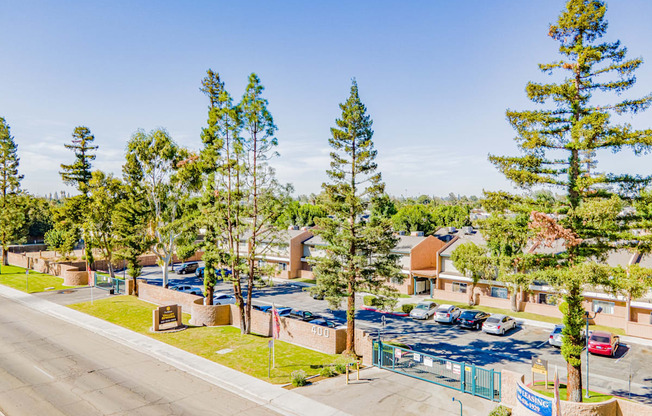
(512, 351)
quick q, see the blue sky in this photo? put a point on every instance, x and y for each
(436, 76)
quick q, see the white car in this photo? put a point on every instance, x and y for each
(498, 324)
(220, 298)
(447, 314)
(423, 310)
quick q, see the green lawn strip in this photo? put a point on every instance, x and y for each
(595, 396)
(250, 352)
(305, 280)
(525, 315)
(15, 277)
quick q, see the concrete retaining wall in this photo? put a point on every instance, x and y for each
(162, 296)
(209, 315)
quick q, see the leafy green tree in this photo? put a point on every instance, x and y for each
(560, 145)
(358, 252)
(131, 218)
(79, 174)
(12, 215)
(38, 216)
(105, 194)
(473, 261)
(62, 239)
(301, 215)
(157, 165)
(415, 217)
(384, 207)
(632, 283)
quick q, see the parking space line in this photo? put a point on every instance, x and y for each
(542, 344)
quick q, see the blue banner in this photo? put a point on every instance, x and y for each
(539, 405)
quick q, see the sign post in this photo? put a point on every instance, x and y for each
(270, 345)
(539, 366)
(27, 280)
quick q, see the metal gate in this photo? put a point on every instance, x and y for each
(456, 375)
(111, 284)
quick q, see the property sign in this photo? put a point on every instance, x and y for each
(537, 404)
(167, 317)
(539, 365)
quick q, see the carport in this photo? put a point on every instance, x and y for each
(423, 281)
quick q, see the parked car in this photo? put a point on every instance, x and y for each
(498, 324)
(447, 313)
(556, 337)
(303, 315)
(423, 310)
(188, 267)
(283, 311)
(220, 272)
(220, 298)
(262, 308)
(187, 289)
(331, 323)
(603, 343)
(472, 319)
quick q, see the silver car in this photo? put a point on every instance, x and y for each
(423, 310)
(220, 298)
(556, 336)
(498, 324)
(447, 314)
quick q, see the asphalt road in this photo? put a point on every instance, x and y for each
(49, 367)
(513, 351)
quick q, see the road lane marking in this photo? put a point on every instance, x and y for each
(43, 371)
(542, 344)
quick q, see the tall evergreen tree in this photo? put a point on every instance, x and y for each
(262, 188)
(358, 254)
(561, 146)
(12, 216)
(79, 174)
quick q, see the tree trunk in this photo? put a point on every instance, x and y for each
(574, 386)
(514, 299)
(164, 269)
(350, 321)
(5, 260)
(471, 294)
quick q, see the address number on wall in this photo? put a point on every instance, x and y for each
(320, 330)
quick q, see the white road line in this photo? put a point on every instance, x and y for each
(43, 371)
(542, 344)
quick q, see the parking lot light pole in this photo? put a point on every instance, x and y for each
(586, 335)
(455, 400)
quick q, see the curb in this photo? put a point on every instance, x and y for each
(267, 395)
(367, 308)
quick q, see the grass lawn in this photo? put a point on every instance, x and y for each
(539, 387)
(305, 280)
(250, 352)
(526, 315)
(15, 277)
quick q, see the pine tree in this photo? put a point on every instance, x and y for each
(79, 175)
(12, 216)
(358, 254)
(79, 172)
(560, 147)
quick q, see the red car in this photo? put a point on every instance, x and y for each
(603, 343)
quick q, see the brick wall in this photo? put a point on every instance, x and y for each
(209, 315)
(161, 296)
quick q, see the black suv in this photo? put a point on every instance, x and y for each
(186, 268)
(303, 315)
(472, 319)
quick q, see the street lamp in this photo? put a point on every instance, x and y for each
(455, 400)
(586, 318)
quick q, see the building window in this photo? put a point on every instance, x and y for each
(607, 307)
(283, 266)
(395, 281)
(547, 299)
(260, 263)
(459, 287)
(499, 292)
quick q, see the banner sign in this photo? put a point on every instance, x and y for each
(167, 314)
(539, 365)
(533, 402)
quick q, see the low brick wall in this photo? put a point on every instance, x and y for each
(75, 278)
(324, 339)
(161, 296)
(363, 345)
(261, 322)
(209, 315)
(639, 330)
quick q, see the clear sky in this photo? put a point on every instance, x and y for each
(436, 76)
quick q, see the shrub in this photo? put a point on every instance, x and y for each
(298, 378)
(407, 307)
(501, 411)
(327, 372)
(369, 300)
(340, 368)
